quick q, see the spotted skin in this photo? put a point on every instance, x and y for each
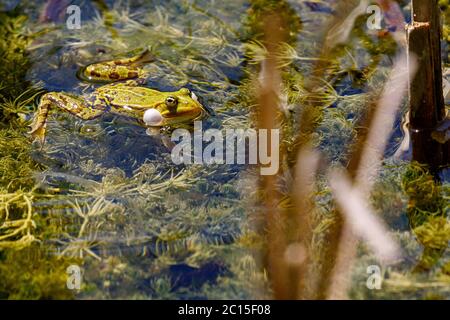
(125, 97)
(117, 70)
(74, 105)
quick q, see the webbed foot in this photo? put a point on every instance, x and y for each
(39, 124)
(74, 105)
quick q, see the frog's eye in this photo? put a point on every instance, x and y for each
(171, 102)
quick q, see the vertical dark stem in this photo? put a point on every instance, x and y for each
(427, 110)
(427, 107)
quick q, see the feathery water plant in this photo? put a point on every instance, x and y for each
(110, 198)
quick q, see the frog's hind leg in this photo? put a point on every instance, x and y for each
(74, 105)
(140, 59)
(119, 69)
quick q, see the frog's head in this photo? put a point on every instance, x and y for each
(176, 107)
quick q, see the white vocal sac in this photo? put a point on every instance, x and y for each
(152, 117)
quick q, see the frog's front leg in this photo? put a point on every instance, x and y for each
(76, 106)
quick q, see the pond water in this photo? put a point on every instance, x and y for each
(107, 197)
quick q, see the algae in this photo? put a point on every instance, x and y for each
(103, 195)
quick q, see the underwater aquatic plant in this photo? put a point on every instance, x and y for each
(107, 197)
(83, 241)
(16, 232)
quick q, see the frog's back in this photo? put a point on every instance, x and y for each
(134, 97)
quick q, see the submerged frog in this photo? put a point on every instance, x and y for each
(151, 108)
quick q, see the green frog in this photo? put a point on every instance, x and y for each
(126, 97)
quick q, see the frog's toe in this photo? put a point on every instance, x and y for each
(34, 126)
(38, 133)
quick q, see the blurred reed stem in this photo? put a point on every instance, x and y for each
(268, 112)
(291, 279)
(308, 126)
